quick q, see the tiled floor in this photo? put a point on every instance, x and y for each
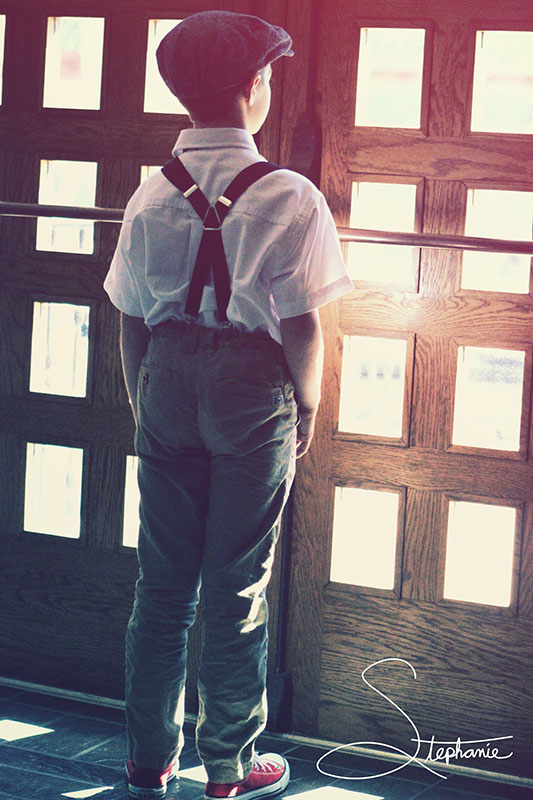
(80, 754)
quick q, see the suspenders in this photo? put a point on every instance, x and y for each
(211, 256)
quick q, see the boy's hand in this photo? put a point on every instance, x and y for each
(305, 431)
(301, 338)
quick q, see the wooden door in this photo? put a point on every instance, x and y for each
(413, 536)
(75, 129)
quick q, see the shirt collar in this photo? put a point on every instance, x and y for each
(200, 138)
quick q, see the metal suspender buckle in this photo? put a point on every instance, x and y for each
(212, 221)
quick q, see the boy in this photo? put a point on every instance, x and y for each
(223, 372)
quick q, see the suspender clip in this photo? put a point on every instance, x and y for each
(212, 221)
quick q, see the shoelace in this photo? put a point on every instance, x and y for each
(264, 766)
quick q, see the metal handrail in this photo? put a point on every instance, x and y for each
(439, 241)
(72, 212)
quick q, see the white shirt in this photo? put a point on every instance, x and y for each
(280, 241)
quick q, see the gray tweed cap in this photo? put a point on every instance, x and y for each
(215, 50)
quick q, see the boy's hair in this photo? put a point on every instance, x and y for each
(217, 106)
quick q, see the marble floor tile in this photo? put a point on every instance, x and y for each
(86, 750)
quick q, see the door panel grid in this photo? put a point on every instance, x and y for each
(464, 643)
(491, 332)
(73, 99)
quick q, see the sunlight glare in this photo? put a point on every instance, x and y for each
(2, 39)
(502, 100)
(372, 386)
(365, 531)
(488, 398)
(53, 490)
(66, 183)
(504, 215)
(332, 793)
(73, 65)
(382, 207)
(389, 77)
(11, 730)
(85, 793)
(59, 349)
(197, 774)
(158, 99)
(479, 553)
(130, 530)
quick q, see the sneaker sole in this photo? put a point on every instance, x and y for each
(266, 791)
(142, 793)
(139, 793)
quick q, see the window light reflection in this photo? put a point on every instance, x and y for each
(372, 386)
(52, 499)
(59, 349)
(488, 398)
(66, 183)
(11, 730)
(365, 531)
(84, 794)
(197, 774)
(157, 96)
(334, 793)
(502, 100)
(479, 553)
(2, 46)
(389, 77)
(130, 531)
(383, 206)
(503, 215)
(73, 65)
(147, 170)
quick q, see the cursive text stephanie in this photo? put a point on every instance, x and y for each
(437, 751)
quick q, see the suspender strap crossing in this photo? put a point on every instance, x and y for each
(211, 257)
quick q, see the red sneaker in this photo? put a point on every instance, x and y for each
(145, 784)
(270, 775)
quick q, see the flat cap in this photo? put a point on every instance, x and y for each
(215, 50)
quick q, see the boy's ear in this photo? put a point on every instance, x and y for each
(250, 88)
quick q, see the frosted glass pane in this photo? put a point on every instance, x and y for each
(389, 77)
(502, 100)
(365, 531)
(502, 215)
(130, 533)
(2, 40)
(66, 183)
(53, 490)
(372, 386)
(488, 398)
(148, 170)
(59, 349)
(157, 96)
(386, 207)
(479, 553)
(73, 66)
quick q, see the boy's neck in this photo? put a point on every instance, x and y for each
(225, 124)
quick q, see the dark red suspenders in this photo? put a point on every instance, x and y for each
(211, 256)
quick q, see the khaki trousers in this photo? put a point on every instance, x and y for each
(216, 443)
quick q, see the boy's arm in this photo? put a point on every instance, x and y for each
(303, 346)
(134, 336)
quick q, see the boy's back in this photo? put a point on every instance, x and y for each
(279, 241)
(222, 412)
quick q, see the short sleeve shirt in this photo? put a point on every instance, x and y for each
(280, 241)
